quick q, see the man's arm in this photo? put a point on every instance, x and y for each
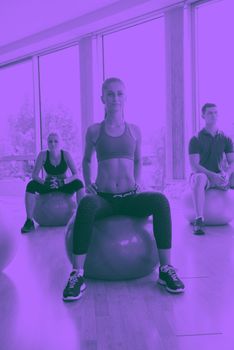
(217, 178)
(230, 160)
(196, 167)
(194, 158)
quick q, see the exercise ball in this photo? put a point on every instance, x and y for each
(8, 239)
(54, 209)
(218, 209)
(121, 248)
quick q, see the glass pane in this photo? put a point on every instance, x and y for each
(16, 168)
(137, 56)
(215, 55)
(60, 99)
(17, 131)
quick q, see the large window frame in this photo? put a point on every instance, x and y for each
(36, 98)
(196, 112)
(21, 157)
(148, 160)
(97, 76)
(192, 107)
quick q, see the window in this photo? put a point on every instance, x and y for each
(137, 56)
(17, 131)
(60, 99)
(215, 57)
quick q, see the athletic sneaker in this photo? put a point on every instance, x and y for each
(169, 279)
(74, 288)
(28, 226)
(197, 227)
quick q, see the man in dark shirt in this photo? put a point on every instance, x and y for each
(206, 154)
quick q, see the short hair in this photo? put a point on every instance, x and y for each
(110, 80)
(206, 106)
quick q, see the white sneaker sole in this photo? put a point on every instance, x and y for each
(175, 291)
(72, 298)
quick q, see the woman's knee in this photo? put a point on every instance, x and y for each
(199, 180)
(158, 200)
(31, 187)
(77, 185)
(89, 204)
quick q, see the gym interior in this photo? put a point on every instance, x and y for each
(173, 57)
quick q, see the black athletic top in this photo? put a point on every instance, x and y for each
(211, 148)
(59, 169)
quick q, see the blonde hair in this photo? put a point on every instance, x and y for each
(109, 81)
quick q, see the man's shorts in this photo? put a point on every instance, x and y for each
(209, 183)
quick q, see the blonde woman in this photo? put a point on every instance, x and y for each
(116, 190)
(55, 162)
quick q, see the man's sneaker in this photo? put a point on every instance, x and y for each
(169, 279)
(28, 226)
(197, 227)
(74, 288)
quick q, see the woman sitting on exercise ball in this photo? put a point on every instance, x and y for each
(117, 144)
(55, 162)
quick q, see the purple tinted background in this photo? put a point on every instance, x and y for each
(123, 56)
(140, 64)
(215, 57)
(60, 99)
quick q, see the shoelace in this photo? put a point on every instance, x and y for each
(173, 275)
(171, 272)
(72, 280)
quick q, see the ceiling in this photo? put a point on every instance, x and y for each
(26, 21)
(19, 19)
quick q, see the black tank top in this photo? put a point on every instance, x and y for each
(51, 169)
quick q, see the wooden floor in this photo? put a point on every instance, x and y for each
(134, 315)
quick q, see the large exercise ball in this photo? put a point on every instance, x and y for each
(8, 239)
(121, 248)
(54, 209)
(218, 209)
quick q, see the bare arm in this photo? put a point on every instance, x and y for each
(137, 156)
(194, 157)
(196, 167)
(72, 167)
(217, 178)
(37, 168)
(230, 160)
(89, 150)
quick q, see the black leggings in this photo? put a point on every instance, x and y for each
(139, 205)
(70, 188)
